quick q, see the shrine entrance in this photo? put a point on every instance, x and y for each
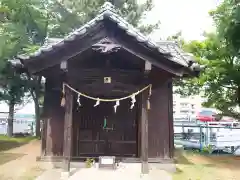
(100, 131)
(108, 48)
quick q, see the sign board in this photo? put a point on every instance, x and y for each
(107, 80)
(107, 161)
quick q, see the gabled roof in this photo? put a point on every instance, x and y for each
(168, 48)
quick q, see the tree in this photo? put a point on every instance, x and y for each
(19, 32)
(227, 18)
(220, 82)
(12, 85)
(31, 21)
(129, 9)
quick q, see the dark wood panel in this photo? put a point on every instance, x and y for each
(170, 119)
(54, 115)
(159, 145)
(91, 139)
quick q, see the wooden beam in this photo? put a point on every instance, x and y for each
(137, 49)
(153, 61)
(67, 144)
(144, 133)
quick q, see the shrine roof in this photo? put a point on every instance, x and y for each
(169, 49)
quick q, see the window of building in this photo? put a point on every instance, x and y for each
(184, 104)
(184, 112)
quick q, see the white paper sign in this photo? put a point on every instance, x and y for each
(107, 160)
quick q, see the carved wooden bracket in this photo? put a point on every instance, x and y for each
(106, 46)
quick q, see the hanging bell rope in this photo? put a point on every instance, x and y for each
(63, 101)
(148, 100)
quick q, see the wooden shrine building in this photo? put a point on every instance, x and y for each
(93, 103)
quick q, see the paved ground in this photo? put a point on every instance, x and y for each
(125, 171)
(17, 169)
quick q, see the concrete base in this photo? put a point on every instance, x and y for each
(131, 171)
(65, 175)
(144, 168)
(157, 163)
(168, 167)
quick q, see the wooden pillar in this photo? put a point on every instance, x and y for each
(43, 137)
(67, 144)
(170, 119)
(144, 133)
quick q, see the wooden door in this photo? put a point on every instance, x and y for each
(100, 131)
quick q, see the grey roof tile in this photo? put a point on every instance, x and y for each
(107, 10)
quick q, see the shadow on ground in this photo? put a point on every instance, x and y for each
(6, 157)
(7, 145)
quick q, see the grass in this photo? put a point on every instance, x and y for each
(193, 166)
(7, 143)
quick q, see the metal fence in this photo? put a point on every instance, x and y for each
(221, 138)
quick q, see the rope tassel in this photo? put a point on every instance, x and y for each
(148, 104)
(63, 100)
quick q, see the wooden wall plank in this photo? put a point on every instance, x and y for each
(159, 123)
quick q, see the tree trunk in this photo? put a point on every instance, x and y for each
(37, 118)
(35, 92)
(10, 119)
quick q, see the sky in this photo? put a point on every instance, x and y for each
(22, 109)
(188, 16)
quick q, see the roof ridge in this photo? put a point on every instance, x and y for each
(107, 6)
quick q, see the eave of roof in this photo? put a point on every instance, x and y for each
(170, 48)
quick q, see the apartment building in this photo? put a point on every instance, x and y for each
(185, 107)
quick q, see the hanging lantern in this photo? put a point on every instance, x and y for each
(97, 103)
